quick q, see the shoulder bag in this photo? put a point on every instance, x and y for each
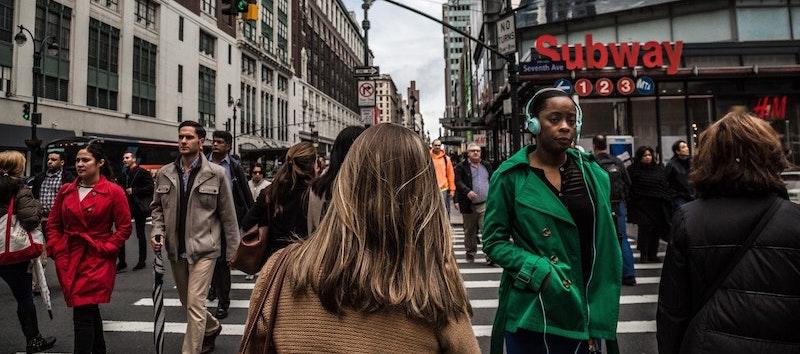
(18, 245)
(253, 249)
(260, 341)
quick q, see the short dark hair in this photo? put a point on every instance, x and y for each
(537, 106)
(60, 154)
(637, 159)
(224, 135)
(677, 145)
(257, 164)
(599, 142)
(739, 155)
(198, 129)
(133, 154)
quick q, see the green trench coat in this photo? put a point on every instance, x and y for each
(529, 232)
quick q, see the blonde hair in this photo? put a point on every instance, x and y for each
(12, 162)
(385, 241)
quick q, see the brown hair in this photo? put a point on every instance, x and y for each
(738, 155)
(297, 170)
(385, 242)
(12, 162)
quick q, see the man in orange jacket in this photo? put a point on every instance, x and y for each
(445, 178)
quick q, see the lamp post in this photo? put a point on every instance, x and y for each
(237, 104)
(47, 43)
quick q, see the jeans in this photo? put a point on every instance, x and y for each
(88, 330)
(446, 200)
(529, 342)
(19, 280)
(622, 233)
(139, 221)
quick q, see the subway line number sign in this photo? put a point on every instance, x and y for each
(605, 87)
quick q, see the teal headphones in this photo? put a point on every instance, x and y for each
(532, 122)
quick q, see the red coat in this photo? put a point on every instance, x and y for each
(82, 242)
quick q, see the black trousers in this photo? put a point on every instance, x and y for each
(88, 330)
(221, 282)
(647, 243)
(139, 221)
(19, 280)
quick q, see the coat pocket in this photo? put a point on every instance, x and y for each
(208, 196)
(162, 192)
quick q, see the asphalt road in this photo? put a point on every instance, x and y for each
(128, 318)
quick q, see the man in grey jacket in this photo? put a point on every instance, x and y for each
(192, 209)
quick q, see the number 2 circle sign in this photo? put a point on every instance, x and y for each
(605, 87)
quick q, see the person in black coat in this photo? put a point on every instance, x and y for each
(138, 186)
(714, 298)
(677, 172)
(471, 197)
(649, 203)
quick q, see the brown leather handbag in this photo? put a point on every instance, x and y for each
(252, 251)
(253, 248)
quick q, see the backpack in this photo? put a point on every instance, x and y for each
(615, 171)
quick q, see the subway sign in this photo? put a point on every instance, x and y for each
(598, 55)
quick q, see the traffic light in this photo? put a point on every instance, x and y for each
(234, 7)
(26, 111)
(252, 11)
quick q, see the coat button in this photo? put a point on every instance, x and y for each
(546, 232)
(567, 283)
(554, 259)
(94, 193)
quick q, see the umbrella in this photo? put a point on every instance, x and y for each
(158, 301)
(37, 264)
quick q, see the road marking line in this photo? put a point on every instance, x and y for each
(636, 327)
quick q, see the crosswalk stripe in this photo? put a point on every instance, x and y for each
(238, 329)
(479, 303)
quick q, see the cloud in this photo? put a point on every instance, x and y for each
(409, 47)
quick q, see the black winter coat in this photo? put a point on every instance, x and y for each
(649, 199)
(757, 308)
(140, 181)
(463, 181)
(677, 172)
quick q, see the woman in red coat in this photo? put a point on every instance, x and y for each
(88, 224)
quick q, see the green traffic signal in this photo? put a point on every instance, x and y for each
(26, 111)
(241, 5)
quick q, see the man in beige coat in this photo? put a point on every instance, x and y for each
(192, 208)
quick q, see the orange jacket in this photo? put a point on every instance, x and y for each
(445, 178)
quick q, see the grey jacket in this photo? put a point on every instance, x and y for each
(210, 212)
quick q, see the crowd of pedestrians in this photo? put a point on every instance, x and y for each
(359, 255)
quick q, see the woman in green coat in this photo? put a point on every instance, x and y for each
(549, 225)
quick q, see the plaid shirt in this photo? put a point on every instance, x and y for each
(50, 187)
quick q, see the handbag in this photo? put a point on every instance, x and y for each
(19, 245)
(252, 337)
(253, 249)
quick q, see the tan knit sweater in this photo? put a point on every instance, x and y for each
(303, 326)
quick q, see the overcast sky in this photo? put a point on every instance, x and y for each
(409, 47)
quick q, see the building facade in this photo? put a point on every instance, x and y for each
(457, 13)
(121, 69)
(388, 100)
(327, 44)
(703, 59)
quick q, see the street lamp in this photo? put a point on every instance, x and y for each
(47, 43)
(237, 104)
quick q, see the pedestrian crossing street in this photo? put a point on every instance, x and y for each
(636, 328)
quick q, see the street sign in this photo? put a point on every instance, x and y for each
(583, 87)
(506, 35)
(645, 85)
(541, 66)
(366, 71)
(563, 85)
(367, 116)
(366, 93)
(604, 87)
(626, 86)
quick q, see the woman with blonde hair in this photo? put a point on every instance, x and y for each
(379, 274)
(731, 277)
(18, 277)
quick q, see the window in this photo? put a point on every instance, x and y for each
(180, 114)
(146, 13)
(210, 7)
(53, 19)
(249, 30)
(207, 44)
(283, 21)
(180, 28)
(266, 75)
(111, 4)
(180, 78)
(248, 66)
(248, 97)
(267, 116)
(206, 97)
(103, 78)
(144, 78)
(283, 84)
(266, 25)
(753, 27)
(230, 54)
